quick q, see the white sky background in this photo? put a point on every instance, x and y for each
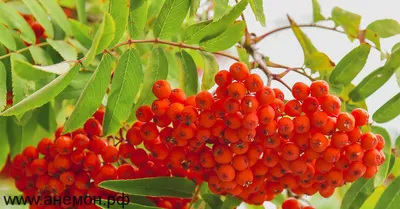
(284, 48)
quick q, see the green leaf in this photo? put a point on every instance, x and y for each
(41, 16)
(7, 38)
(141, 200)
(397, 144)
(388, 111)
(128, 77)
(385, 28)
(154, 187)
(81, 32)
(188, 73)
(14, 137)
(211, 68)
(194, 6)
(194, 28)
(103, 38)
(81, 10)
(226, 39)
(27, 71)
(195, 34)
(170, 18)
(249, 206)
(231, 202)
(317, 16)
(57, 14)
(15, 21)
(40, 56)
(92, 95)
(258, 10)
(350, 65)
(243, 55)
(5, 147)
(118, 205)
(373, 198)
(119, 10)
(3, 86)
(137, 18)
(350, 22)
(318, 61)
(373, 37)
(66, 51)
(376, 79)
(358, 193)
(391, 196)
(156, 69)
(220, 8)
(397, 73)
(387, 150)
(43, 95)
(212, 200)
(278, 200)
(46, 118)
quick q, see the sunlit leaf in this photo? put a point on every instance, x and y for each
(57, 14)
(7, 38)
(64, 49)
(188, 73)
(350, 22)
(373, 198)
(170, 18)
(318, 61)
(305, 43)
(194, 6)
(258, 10)
(82, 33)
(220, 7)
(137, 18)
(358, 193)
(317, 16)
(5, 147)
(3, 86)
(91, 96)
(40, 56)
(385, 28)
(81, 10)
(391, 196)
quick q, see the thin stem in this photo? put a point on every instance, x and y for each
(180, 45)
(195, 195)
(260, 38)
(23, 49)
(277, 78)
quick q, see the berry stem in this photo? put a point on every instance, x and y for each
(195, 195)
(23, 50)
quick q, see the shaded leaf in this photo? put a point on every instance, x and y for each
(170, 18)
(194, 6)
(103, 38)
(350, 22)
(119, 10)
(376, 79)
(358, 193)
(43, 95)
(154, 187)
(387, 150)
(47, 118)
(41, 16)
(317, 16)
(3, 86)
(391, 196)
(81, 10)
(385, 28)
(137, 18)
(231, 202)
(258, 10)
(4, 140)
(14, 137)
(194, 28)
(128, 77)
(141, 200)
(388, 111)
(211, 68)
(57, 14)
(226, 39)
(212, 200)
(187, 73)
(81, 32)
(221, 6)
(27, 71)
(66, 51)
(15, 21)
(156, 69)
(40, 56)
(7, 38)
(92, 95)
(216, 27)
(350, 65)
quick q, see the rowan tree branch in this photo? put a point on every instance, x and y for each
(23, 49)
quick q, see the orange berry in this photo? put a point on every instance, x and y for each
(372, 158)
(318, 142)
(270, 158)
(250, 121)
(223, 78)
(368, 141)
(290, 151)
(233, 120)
(361, 116)
(345, 122)
(285, 126)
(204, 100)
(265, 96)
(301, 124)
(291, 203)
(149, 131)
(254, 83)
(354, 135)
(240, 162)
(300, 91)
(331, 154)
(330, 127)
(207, 159)
(381, 142)
(244, 178)
(319, 88)
(239, 71)
(354, 152)
(322, 166)
(266, 114)
(207, 119)
(222, 154)
(293, 108)
(174, 111)
(226, 172)
(249, 104)
(357, 169)
(144, 113)
(237, 90)
(370, 172)
(330, 104)
(231, 105)
(319, 119)
(177, 96)
(160, 107)
(279, 94)
(240, 147)
(161, 89)
(339, 139)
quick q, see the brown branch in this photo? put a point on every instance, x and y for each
(180, 45)
(260, 38)
(23, 49)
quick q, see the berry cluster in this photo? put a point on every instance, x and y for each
(74, 164)
(247, 141)
(36, 27)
